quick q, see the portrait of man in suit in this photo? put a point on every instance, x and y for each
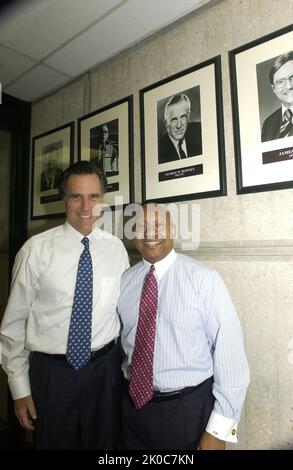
(104, 147)
(279, 124)
(182, 138)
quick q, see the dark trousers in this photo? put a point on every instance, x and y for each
(77, 409)
(173, 423)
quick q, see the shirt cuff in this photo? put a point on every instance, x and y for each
(222, 428)
(19, 387)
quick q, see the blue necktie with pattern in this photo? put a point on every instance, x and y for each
(80, 330)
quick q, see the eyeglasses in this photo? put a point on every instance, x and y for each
(279, 84)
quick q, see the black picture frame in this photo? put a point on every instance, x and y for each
(263, 160)
(202, 174)
(52, 152)
(115, 154)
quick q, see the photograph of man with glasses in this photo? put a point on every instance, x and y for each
(280, 123)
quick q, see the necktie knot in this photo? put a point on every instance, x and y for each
(85, 241)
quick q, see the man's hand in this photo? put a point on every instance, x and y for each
(209, 442)
(25, 412)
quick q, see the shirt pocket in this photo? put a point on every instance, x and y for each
(109, 292)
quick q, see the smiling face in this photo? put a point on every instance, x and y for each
(154, 232)
(283, 84)
(177, 119)
(83, 193)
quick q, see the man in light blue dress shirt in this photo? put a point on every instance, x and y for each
(200, 371)
(67, 408)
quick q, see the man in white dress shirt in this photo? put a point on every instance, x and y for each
(200, 373)
(67, 408)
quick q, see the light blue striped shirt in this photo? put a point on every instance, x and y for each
(198, 333)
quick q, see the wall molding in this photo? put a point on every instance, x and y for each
(247, 250)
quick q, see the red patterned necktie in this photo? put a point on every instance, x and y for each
(141, 377)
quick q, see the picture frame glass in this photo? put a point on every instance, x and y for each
(199, 172)
(264, 156)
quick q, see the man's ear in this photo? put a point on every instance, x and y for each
(172, 230)
(97, 210)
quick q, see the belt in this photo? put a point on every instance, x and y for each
(94, 354)
(162, 396)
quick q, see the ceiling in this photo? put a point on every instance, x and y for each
(46, 43)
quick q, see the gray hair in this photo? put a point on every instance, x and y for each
(180, 97)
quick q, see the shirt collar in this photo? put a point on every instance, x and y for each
(75, 234)
(176, 142)
(162, 266)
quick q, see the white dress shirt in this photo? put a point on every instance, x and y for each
(39, 308)
(176, 145)
(198, 335)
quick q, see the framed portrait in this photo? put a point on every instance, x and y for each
(52, 152)
(182, 141)
(105, 137)
(262, 100)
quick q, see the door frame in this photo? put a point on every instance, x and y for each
(15, 116)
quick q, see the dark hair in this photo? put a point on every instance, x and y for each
(83, 167)
(281, 60)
